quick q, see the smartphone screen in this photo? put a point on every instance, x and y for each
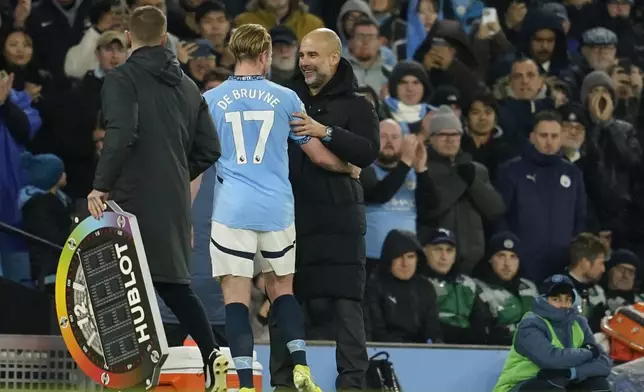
(489, 16)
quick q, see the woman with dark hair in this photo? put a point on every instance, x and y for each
(18, 58)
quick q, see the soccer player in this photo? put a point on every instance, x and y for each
(253, 213)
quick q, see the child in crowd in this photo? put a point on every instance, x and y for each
(46, 212)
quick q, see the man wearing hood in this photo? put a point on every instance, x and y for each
(554, 349)
(546, 199)
(464, 318)
(621, 273)
(350, 13)
(544, 40)
(365, 55)
(507, 296)
(400, 304)
(409, 91)
(448, 58)
(159, 137)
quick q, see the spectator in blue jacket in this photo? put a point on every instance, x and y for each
(545, 198)
(202, 282)
(554, 349)
(18, 124)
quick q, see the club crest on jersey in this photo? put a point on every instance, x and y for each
(565, 181)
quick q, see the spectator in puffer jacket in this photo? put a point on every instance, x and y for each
(400, 304)
(554, 349)
(545, 198)
(19, 122)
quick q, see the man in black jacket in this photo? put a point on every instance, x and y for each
(159, 136)
(329, 209)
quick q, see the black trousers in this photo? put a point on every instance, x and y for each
(593, 384)
(176, 334)
(339, 320)
(185, 304)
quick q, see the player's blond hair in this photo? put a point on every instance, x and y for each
(249, 41)
(148, 25)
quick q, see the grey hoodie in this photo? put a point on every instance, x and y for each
(349, 6)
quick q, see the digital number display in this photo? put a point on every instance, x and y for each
(106, 304)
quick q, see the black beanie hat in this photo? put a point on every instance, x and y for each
(405, 68)
(505, 240)
(623, 256)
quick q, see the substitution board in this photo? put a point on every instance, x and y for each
(106, 305)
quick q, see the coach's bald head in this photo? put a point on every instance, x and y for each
(320, 54)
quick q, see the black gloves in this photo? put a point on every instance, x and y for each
(467, 171)
(593, 349)
(549, 374)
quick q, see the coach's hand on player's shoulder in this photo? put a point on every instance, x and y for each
(306, 126)
(96, 203)
(355, 171)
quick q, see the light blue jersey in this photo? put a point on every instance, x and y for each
(252, 117)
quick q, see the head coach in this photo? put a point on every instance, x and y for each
(159, 136)
(329, 207)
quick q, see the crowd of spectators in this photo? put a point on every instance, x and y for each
(511, 145)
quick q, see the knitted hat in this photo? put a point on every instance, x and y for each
(574, 112)
(596, 79)
(623, 256)
(446, 95)
(404, 68)
(444, 118)
(556, 285)
(42, 171)
(504, 241)
(557, 9)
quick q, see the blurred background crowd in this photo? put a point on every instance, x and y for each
(511, 202)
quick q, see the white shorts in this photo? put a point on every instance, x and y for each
(245, 253)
